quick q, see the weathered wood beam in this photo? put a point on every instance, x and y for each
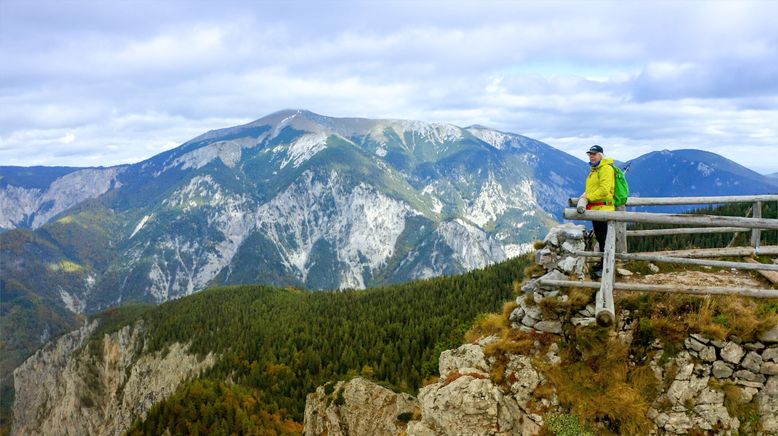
(641, 287)
(748, 265)
(665, 201)
(717, 252)
(621, 234)
(605, 311)
(666, 218)
(685, 231)
(770, 275)
(756, 234)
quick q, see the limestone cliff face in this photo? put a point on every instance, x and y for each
(79, 386)
(357, 407)
(34, 207)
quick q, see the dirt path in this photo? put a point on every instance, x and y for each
(732, 278)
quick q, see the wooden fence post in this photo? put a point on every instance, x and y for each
(604, 308)
(756, 234)
(621, 234)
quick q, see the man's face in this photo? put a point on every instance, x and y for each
(594, 157)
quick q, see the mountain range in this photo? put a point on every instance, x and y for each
(294, 199)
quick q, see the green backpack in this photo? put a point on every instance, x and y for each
(620, 188)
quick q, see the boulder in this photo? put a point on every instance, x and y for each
(524, 378)
(517, 314)
(564, 232)
(767, 402)
(769, 368)
(571, 246)
(770, 354)
(708, 354)
(722, 370)
(693, 344)
(365, 408)
(531, 310)
(470, 405)
(571, 265)
(749, 376)
(732, 353)
(771, 387)
(549, 327)
(770, 336)
(466, 358)
(528, 321)
(546, 258)
(528, 288)
(752, 362)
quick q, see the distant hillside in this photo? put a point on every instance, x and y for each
(276, 345)
(686, 173)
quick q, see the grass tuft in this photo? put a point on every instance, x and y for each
(487, 324)
(534, 270)
(600, 387)
(671, 317)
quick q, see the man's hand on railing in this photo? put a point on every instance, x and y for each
(582, 202)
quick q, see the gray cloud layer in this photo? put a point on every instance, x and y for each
(101, 83)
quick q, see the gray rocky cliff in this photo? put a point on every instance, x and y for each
(34, 207)
(81, 385)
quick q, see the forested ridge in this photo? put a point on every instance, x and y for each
(278, 344)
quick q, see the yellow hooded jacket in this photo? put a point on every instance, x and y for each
(600, 184)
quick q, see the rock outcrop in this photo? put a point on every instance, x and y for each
(79, 384)
(709, 386)
(357, 407)
(465, 401)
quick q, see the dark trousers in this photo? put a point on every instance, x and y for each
(600, 232)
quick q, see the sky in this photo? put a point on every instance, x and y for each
(91, 83)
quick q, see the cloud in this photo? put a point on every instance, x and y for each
(141, 76)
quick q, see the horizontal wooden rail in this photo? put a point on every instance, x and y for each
(765, 250)
(686, 231)
(667, 201)
(684, 261)
(666, 218)
(772, 276)
(641, 287)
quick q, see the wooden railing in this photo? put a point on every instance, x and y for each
(616, 247)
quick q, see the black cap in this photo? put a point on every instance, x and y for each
(595, 149)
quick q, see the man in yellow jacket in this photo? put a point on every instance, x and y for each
(599, 193)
